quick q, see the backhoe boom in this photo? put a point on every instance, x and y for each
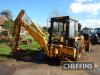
(32, 29)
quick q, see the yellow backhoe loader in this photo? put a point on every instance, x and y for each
(64, 39)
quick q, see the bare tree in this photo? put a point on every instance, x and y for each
(8, 24)
(6, 13)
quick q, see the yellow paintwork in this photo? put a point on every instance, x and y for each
(51, 50)
(61, 50)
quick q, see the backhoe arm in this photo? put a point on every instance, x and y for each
(32, 29)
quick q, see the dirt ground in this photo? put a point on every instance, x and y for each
(13, 67)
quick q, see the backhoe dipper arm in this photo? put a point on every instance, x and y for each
(17, 26)
(32, 29)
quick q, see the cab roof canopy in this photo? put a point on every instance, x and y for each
(62, 19)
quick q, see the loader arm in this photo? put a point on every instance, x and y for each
(32, 29)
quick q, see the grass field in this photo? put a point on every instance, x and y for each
(33, 46)
(6, 50)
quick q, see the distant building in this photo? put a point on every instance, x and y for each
(2, 21)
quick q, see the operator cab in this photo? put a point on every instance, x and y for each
(62, 29)
(97, 31)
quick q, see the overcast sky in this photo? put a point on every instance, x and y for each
(85, 11)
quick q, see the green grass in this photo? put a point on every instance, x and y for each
(4, 49)
(32, 46)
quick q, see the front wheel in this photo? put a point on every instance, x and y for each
(80, 51)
